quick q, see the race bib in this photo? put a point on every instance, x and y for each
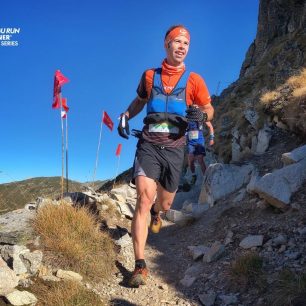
(164, 127)
(193, 135)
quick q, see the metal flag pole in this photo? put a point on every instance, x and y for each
(97, 156)
(67, 183)
(63, 146)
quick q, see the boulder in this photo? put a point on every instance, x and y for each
(119, 193)
(263, 140)
(208, 299)
(126, 208)
(69, 275)
(194, 190)
(223, 179)
(16, 227)
(19, 298)
(294, 156)
(8, 279)
(251, 241)
(277, 187)
(197, 251)
(178, 217)
(12, 255)
(32, 261)
(20, 259)
(214, 252)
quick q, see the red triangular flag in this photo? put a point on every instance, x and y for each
(118, 151)
(108, 121)
(56, 102)
(61, 78)
(64, 104)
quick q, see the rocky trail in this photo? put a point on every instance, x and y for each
(176, 279)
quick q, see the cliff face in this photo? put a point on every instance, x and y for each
(277, 53)
(280, 23)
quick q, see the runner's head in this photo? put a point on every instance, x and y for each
(176, 43)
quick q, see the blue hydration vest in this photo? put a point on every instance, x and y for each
(173, 103)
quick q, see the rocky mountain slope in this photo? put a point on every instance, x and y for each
(237, 237)
(277, 53)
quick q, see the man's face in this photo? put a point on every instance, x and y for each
(177, 50)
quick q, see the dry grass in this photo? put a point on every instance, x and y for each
(64, 294)
(297, 84)
(290, 290)
(268, 97)
(73, 235)
(288, 101)
(299, 92)
(299, 80)
(247, 271)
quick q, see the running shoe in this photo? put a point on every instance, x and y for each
(139, 277)
(156, 223)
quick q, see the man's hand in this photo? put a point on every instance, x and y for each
(195, 114)
(123, 127)
(136, 133)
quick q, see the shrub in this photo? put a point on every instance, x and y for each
(64, 294)
(72, 235)
(247, 270)
(290, 289)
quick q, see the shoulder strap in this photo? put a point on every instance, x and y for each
(157, 82)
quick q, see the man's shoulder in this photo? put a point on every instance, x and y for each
(195, 76)
(149, 73)
(150, 70)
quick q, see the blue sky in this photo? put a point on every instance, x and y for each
(103, 47)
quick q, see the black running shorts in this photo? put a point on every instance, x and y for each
(162, 164)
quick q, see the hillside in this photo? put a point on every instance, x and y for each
(16, 194)
(271, 87)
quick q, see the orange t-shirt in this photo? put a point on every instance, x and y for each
(196, 89)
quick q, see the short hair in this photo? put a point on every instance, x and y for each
(173, 27)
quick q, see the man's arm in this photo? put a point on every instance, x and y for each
(210, 127)
(209, 110)
(211, 133)
(135, 107)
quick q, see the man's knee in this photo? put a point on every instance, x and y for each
(166, 205)
(144, 202)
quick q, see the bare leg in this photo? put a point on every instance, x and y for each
(146, 191)
(200, 159)
(164, 198)
(191, 163)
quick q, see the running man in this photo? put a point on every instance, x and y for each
(167, 92)
(196, 146)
